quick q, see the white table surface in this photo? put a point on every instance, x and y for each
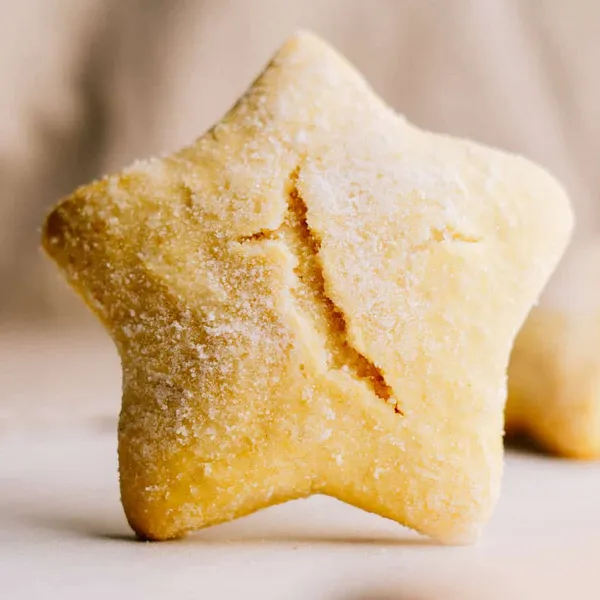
(63, 534)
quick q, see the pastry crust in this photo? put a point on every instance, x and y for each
(554, 382)
(315, 297)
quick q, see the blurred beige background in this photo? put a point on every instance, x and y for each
(87, 86)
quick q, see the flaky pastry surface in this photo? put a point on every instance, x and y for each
(315, 297)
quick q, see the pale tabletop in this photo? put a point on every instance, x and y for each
(63, 534)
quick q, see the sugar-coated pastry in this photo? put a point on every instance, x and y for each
(314, 298)
(554, 372)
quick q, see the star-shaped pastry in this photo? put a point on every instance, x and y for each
(313, 298)
(554, 373)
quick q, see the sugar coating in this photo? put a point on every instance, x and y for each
(314, 297)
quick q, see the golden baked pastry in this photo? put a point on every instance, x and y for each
(315, 297)
(554, 382)
(554, 372)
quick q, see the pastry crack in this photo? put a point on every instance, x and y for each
(451, 234)
(311, 296)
